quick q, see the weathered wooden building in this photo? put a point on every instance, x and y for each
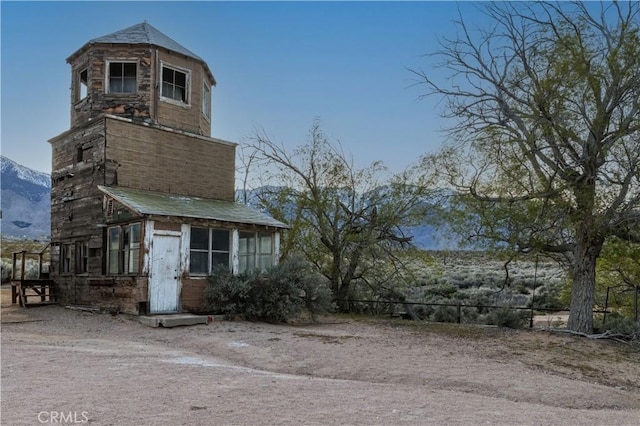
(142, 199)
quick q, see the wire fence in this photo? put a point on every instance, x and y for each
(459, 312)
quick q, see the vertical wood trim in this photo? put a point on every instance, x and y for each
(235, 244)
(147, 248)
(185, 244)
(276, 247)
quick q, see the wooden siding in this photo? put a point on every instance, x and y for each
(145, 103)
(193, 294)
(139, 105)
(116, 294)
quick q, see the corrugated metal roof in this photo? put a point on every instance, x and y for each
(157, 203)
(145, 33)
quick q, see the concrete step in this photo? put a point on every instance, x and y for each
(173, 320)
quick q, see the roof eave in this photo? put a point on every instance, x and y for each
(89, 44)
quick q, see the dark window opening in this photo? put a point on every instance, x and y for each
(82, 257)
(174, 84)
(84, 84)
(208, 248)
(65, 259)
(122, 77)
(123, 248)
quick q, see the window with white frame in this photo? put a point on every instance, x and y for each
(255, 251)
(206, 101)
(122, 77)
(208, 248)
(123, 249)
(175, 84)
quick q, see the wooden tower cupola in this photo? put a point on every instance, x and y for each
(141, 74)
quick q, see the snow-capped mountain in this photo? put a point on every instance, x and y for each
(11, 168)
(25, 202)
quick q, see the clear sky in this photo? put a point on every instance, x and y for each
(278, 66)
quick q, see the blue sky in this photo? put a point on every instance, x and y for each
(278, 66)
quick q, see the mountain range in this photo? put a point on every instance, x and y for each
(26, 207)
(25, 201)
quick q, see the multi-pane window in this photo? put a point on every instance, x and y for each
(122, 77)
(206, 101)
(124, 249)
(208, 248)
(82, 257)
(65, 259)
(255, 251)
(175, 84)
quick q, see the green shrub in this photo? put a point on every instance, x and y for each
(547, 296)
(507, 317)
(442, 289)
(622, 325)
(445, 314)
(226, 294)
(277, 295)
(6, 271)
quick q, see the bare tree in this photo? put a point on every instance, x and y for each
(345, 220)
(546, 140)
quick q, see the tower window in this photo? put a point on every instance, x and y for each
(175, 84)
(83, 79)
(122, 77)
(206, 101)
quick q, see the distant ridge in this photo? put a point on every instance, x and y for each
(25, 202)
(26, 208)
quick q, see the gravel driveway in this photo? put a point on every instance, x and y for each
(61, 366)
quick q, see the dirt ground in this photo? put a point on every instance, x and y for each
(62, 366)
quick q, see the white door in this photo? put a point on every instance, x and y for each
(164, 277)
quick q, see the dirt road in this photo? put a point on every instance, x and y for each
(67, 367)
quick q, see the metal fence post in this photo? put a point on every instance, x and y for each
(606, 307)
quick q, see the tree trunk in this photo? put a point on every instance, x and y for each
(342, 296)
(586, 254)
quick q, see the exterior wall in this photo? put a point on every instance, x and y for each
(193, 287)
(193, 294)
(189, 117)
(76, 203)
(170, 162)
(115, 294)
(77, 215)
(146, 103)
(78, 166)
(139, 105)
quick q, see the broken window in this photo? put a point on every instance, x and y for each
(124, 249)
(175, 84)
(208, 248)
(131, 249)
(255, 251)
(82, 257)
(65, 259)
(83, 84)
(122, 77)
